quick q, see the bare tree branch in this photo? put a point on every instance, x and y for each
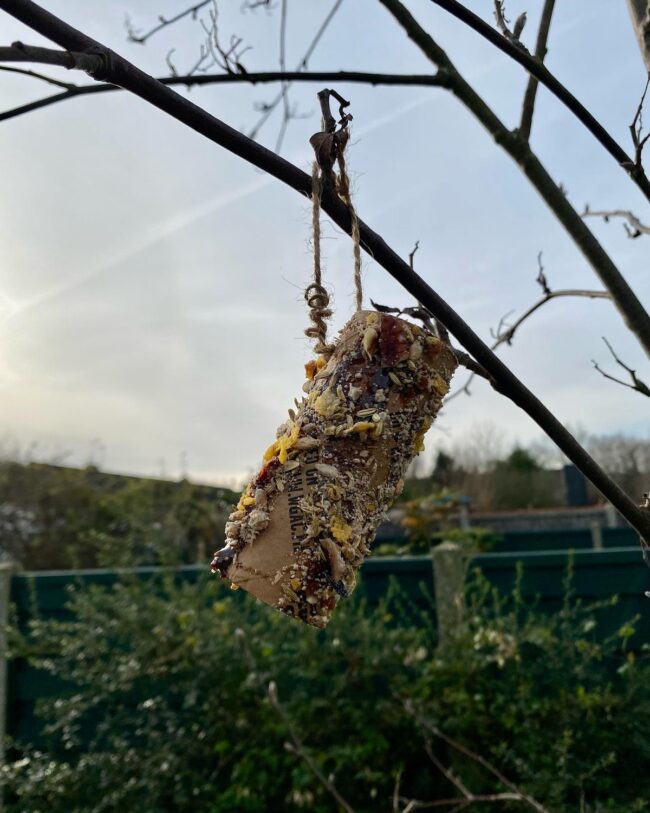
(163, 22)
(19, 52)
(640, 13)
(635, 228)
(117, 70)
(537, 69)
(530, 95)
(628, 304)
(637, 385)
(200, 80)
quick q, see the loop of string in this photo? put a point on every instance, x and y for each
(316, 295)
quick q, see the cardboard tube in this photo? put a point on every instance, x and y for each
(306, 520)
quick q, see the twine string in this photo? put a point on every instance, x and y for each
(316, 295)
(343, 189)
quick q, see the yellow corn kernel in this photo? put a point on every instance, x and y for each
(327, 403)
(418, 443)
(363, 426)
(271, 451)
(314, 366)
(340, 530)
(286, 442)
(440, 385)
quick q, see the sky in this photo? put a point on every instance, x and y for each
(151, 310)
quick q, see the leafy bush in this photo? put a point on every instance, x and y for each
(58, 517)
(170, 707)
(430, 519)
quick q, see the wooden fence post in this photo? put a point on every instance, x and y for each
(449, 585)
(596, 537)
(6, 571)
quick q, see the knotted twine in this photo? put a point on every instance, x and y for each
(329, 147)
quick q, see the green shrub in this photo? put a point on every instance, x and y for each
(170, 708)
(56, 517)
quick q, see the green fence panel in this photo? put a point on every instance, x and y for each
(578, 539)
(620, 537)
(534, 541)
(597, 575)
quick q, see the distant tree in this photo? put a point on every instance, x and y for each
(443, 470)
(520, 482)
(521, 460)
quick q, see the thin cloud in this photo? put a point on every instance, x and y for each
(152, 236)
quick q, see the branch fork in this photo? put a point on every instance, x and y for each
(329, 142)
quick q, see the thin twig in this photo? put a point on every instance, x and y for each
(50, 80)
(528, 107)
(229, 59)
(163, 22)
(118, 70)
(635, 228)
(447, 772)
(636, 130)
(269, 107)
(297, 746)
(433, 730)
(546, 78)
(463, 358)
(412, 254)
(396, 796)
(459, 802)
(251, 5)
(503, 24)
(300, 750)
(637, 385)
(505, 333)
(286, 117)
(541, 276)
